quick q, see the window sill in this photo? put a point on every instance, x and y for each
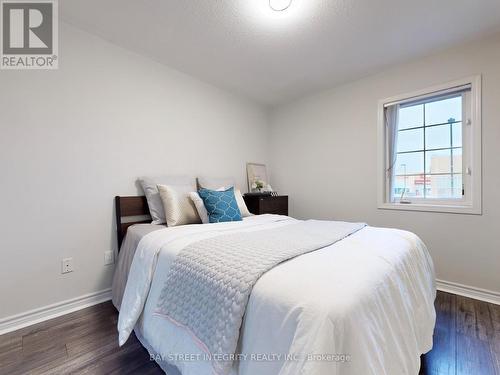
(454, 209)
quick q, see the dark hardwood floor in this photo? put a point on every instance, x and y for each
(466, 337)
(466, 341)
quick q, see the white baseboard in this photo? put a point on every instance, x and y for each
(469, 291)
(28, 318)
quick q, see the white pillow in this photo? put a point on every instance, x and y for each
(241, 204)
(149, 185)
(179, 208)
(215, 183)
(202, 211)
(200, 206)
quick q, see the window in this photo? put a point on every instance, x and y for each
(430, 149)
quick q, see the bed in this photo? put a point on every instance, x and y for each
(362, 305)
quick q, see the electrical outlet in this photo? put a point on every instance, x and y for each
(109, 257)
(67, 265)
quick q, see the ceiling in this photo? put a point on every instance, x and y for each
(274, 57)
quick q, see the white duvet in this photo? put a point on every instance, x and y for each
(361, 306)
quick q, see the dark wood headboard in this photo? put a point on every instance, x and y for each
(128, 207)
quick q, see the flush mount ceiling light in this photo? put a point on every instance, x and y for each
(279, 17)
(280, 5)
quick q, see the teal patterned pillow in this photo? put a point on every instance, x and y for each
(221, 205)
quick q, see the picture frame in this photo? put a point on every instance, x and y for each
(257, 172)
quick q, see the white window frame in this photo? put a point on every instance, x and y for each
(472, 153)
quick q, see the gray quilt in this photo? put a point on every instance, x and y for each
(210, 281)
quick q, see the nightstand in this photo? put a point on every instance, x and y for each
(267, 204)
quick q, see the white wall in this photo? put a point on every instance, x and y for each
(72, 139)
(323, 152)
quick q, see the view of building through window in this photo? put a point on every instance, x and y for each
(429, 150)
